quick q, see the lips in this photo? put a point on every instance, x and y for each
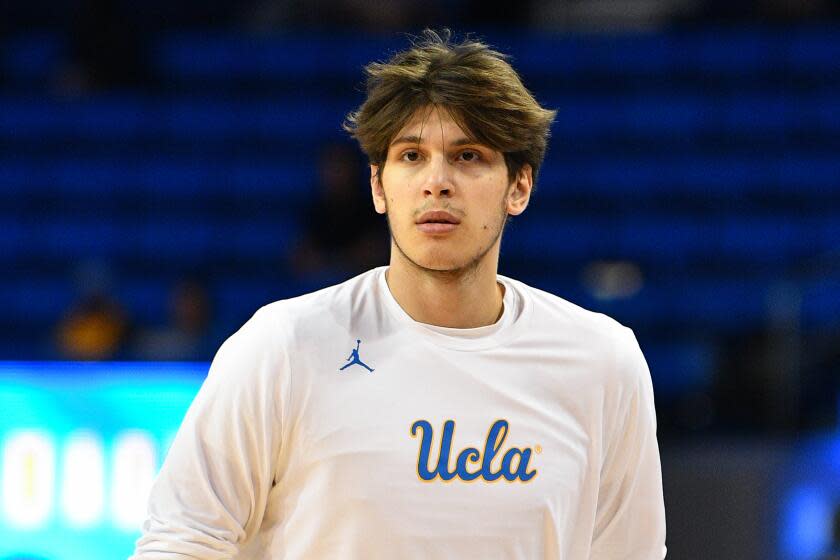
(437, 217)
(437, 222)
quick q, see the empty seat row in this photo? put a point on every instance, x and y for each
(664, 240)
(303, 115)
(796, 174)
(715, 51)
(667, 113)
(230, 56)
(159, 177)
(717, 305)
(673, 240)
(155, 239)
(807, 173)
(130, 117)
(678, 366)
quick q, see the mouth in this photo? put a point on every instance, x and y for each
(437, 222)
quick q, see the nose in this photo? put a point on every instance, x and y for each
(438, 181)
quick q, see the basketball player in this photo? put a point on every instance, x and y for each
(431, 408)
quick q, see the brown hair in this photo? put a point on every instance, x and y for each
(476, 84)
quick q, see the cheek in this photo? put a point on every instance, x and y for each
(498, 213)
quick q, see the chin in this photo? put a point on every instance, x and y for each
(436, 263)
(444, 255)
(442, 262)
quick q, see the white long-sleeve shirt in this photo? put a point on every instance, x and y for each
(534, 437)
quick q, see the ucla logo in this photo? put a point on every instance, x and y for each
(471, 463)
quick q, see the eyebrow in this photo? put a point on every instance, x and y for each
(411, 139)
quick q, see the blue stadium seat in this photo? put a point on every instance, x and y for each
(35, 300)
(587, 54)
(69, 238)
(812, 49)
(14, 241)
(715, 304)
(101, 117)
(545, 238)
(722, 304)
(814, 174)
(267, 240)
(635, 177)
(237, 299)
(146, 299)
(242, 126)
(771, 239)
(671, 239)
(821, 302)
(184, 178)
(680, 367)
(292, 181)
(299, 117)
(198, 118)
(233, 57)
(179, 178)
(31, 58)
(94, 178)
(729, 177)
(178, 240)
(734, 53)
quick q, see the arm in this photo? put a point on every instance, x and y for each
(630, 519)
(212, 491)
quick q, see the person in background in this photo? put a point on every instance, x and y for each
(97, 326)
(187, 335)
(342, 236)
(94, 329)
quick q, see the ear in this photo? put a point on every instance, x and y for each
(376, 190)
(519, 192)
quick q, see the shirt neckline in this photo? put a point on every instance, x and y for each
(503, 331)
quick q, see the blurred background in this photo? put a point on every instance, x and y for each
(168, 168)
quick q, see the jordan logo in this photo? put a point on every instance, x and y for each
(354, 359)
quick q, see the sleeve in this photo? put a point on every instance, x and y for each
(211, 493)
(630, 517)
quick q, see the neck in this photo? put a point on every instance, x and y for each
(462, 299)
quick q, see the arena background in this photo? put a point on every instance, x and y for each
(168, 168)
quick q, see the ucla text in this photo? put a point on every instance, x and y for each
(471, 463)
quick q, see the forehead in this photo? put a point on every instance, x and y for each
(432, 122)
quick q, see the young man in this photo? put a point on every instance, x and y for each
(431, 408)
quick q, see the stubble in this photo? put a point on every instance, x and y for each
(457, 272)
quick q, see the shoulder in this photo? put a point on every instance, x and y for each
(597, 335)
(312, 314)
(322, 307)
(555, 309)
(559, 315)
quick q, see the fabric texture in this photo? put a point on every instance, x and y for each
(333, 425)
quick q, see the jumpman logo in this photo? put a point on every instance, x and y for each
(353, 359)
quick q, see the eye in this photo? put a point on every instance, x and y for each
(470, 155)
(410, 155)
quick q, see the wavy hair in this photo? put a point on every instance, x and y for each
(475, 84)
